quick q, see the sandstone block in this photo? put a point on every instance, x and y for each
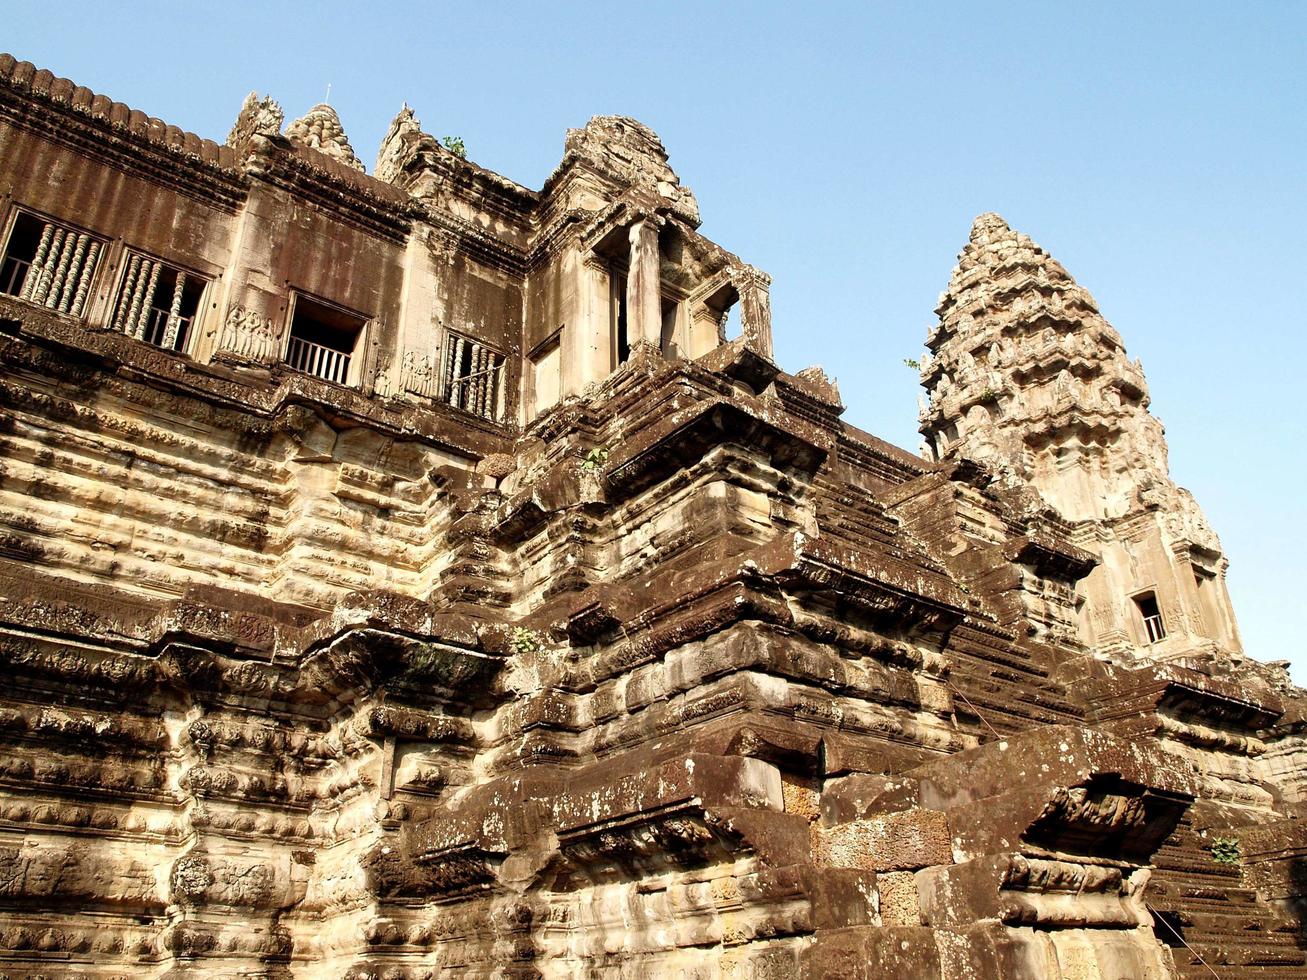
(896, 842)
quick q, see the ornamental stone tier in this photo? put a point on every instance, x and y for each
(405, 575)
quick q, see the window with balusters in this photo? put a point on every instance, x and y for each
(323, 339)
(49, 264)
(472, 377)
(1150, 615)
(157, 303)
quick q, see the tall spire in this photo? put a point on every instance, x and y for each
(320, 129)
(1026, 375)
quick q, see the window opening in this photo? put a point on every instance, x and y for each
(49, 264)
(157, 303)
(623, 343)
(322, 340)
(472, 377)
(1151, 614)
(670, 310)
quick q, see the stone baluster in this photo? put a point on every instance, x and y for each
(451, 379)
(139, 304)
(473, 381)
(130, 281)
(483, 383)
(143, 317)
(49, 269)
(174, 313)
(67, 249)
(84, 282)
(73, 276)
(37, 268)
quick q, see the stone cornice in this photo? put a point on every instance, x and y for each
(352, 197)
(459, 234)
(125, 138)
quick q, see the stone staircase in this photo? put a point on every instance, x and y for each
(1229, 932)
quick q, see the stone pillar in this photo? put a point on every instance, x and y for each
(587, 351)
(644, 314)
(755, 308)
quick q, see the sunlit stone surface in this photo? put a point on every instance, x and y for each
(406, 576)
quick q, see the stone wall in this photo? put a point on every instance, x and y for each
(677, 672)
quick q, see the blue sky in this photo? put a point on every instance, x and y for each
(1157, 150)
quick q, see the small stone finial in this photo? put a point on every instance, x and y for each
(258, 116)
(389, 154)
(320, 129)
(819, 384)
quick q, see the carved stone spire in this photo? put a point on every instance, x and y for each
(1026, 375)
(404, 129)
(320, 129)
(631, 153)
(258, 116)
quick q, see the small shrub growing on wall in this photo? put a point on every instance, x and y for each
(594, 459)
(525, 640)
(1225, 850)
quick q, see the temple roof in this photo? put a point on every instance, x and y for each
(45, 86)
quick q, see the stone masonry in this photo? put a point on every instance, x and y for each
(404, 575)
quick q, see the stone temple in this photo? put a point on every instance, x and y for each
(403, 575)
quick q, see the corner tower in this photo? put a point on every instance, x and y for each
(1025, 375)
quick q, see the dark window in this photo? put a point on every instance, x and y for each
(472, 377)
(1151, 614)
(49, 264)
(157, 303)
(322, 340)
(622, 341)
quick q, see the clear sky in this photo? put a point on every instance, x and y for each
(1156, 149)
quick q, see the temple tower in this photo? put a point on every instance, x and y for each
(1025, 375)
(320, 129)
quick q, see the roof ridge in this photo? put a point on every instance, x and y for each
(23, 76)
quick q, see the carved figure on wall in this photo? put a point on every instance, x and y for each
(418, 374)
(248, 334)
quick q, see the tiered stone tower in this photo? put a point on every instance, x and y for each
(402, 575)
(1026, 376)
(320, 129)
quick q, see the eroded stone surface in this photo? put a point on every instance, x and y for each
(537, 629)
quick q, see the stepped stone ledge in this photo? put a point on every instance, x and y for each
(404, 575)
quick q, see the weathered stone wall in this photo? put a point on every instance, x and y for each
(682, 674)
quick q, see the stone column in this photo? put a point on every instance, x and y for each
(587, 350)
(755, 308)
(644, 315)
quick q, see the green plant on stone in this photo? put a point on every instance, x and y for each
(454, 144)
(594, 459)
(1225, 850)
(913, 363)
(524, 640)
